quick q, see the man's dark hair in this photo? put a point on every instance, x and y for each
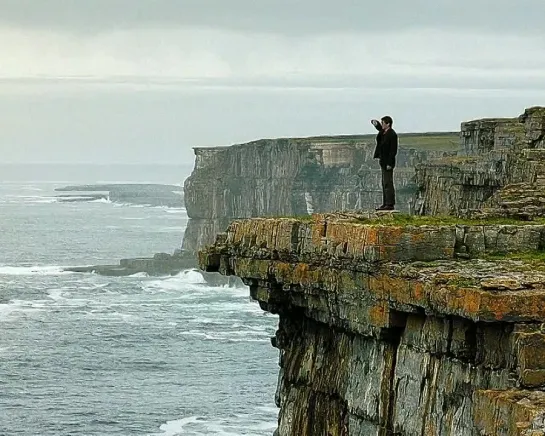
(388, 120)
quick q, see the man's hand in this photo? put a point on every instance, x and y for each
(388, 167)
(376, 124)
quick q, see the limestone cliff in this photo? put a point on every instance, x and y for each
(385, 330)
(500, 173)
(293, 177)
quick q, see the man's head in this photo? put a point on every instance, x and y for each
(386, 122)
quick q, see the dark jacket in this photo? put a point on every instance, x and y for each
(386, 149)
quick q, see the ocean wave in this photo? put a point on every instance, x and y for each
(176, 427)
(7, 310)
(167, 209)
(254, 425)
(140, 274)
(30, 199)
(170, 208)
(101, 200)
(186, 277)
(41, 270)
(119, 204)
(229, 336)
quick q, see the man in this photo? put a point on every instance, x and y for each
(385, 152)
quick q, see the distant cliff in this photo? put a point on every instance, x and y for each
(294, 177)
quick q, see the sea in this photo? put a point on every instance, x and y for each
(83, 354)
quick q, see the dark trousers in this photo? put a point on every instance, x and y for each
(388, 191)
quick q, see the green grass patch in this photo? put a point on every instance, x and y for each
(419, 220)
(531, 256)
(420, 141)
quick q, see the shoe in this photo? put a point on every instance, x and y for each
(381, 207)
(388, 208)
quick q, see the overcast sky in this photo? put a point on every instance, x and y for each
(147, 80)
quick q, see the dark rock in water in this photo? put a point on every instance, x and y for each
(162, 256)
(161, 264)
(134, 193)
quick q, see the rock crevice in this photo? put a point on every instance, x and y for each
(384, 331)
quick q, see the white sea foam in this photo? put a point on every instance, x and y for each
(227, 336)
(101, 200)
(75, 198)
(140, 274)
(200, 335)
(179, 281)
(32, 270)
(256, 329)
(139, 206)
(43, 200)
(191, 276)
(176, 427)
(56, 294)
(16, 307)
(176, 210)
(23, 196)
(30, 199)
(200, 426)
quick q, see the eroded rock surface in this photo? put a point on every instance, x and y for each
(384, 329)
(501, 171)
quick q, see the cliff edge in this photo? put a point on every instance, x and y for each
(393, 325)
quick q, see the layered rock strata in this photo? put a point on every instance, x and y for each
(295, 177)
(386, 329)
(500, 173)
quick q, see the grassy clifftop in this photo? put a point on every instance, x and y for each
(422, 141)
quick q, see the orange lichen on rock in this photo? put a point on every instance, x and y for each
(509, 413)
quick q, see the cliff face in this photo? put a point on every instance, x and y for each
(502, 159)
(291, 177)
(385, 331)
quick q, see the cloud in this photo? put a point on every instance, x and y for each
(145, 80)
(202, 57)
(286, 17)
